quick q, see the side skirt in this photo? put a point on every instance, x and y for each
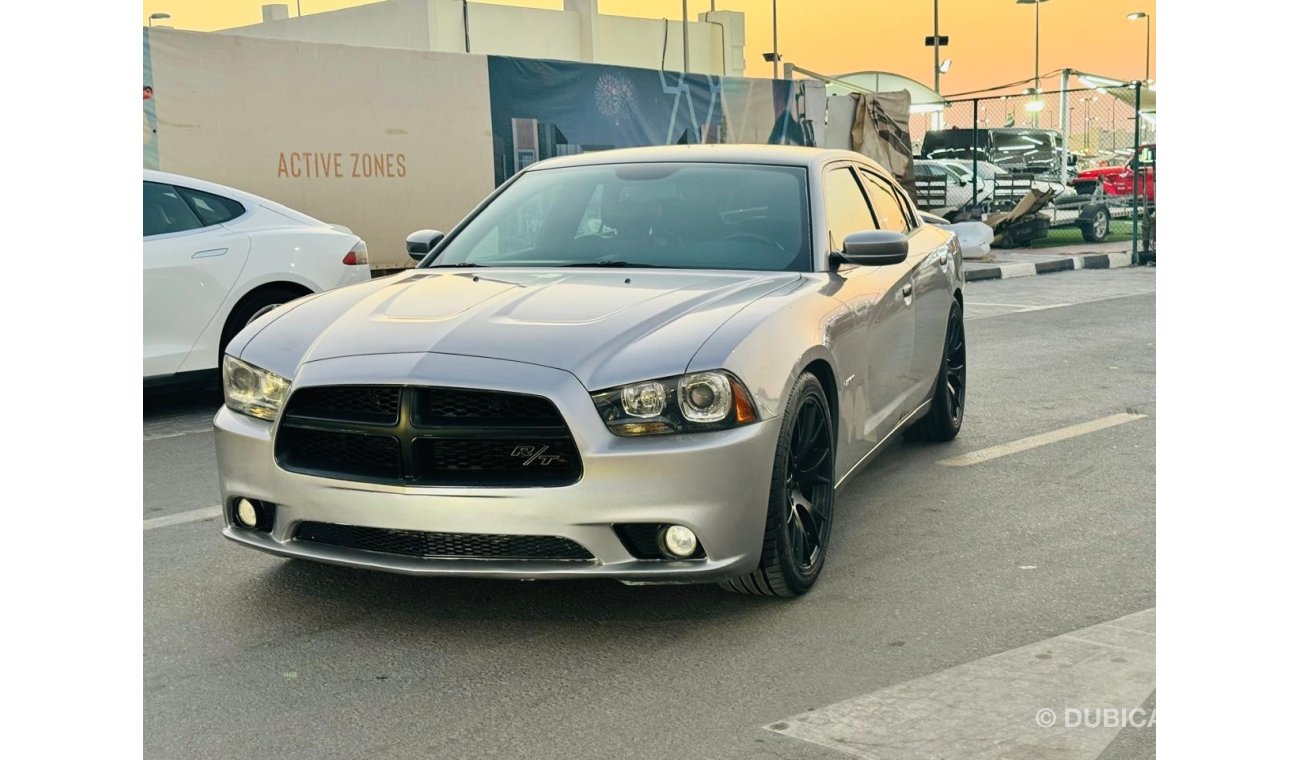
(899, 428)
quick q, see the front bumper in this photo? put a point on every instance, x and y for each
(715, 483)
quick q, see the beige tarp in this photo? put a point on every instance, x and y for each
(880, 132)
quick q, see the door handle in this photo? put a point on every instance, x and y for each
(209, 253)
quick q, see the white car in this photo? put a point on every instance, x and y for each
(990, 173)
(216, 258)
(959, 182)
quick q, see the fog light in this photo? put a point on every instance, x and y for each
(679, 541)
(246, 513)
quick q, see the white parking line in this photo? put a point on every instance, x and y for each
(161, 436)
(1027, 309)
(1041, 700)
(180, 518)
(1042, 439)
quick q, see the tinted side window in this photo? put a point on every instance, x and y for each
(212, 209)
(166, 211)
(888, 210)
(846, 208)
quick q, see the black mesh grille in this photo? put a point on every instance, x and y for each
(360, 403)
(484, 407)
(426, 436)
(487, 461)
(323, 451)
(411, 543)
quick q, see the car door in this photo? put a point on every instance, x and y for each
(876, 354)
(930, 264)
(191, 262)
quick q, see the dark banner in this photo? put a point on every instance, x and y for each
(542, 109)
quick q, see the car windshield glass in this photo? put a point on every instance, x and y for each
(1010, 148)
(680, 215)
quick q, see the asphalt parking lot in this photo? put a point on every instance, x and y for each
(1032, 532)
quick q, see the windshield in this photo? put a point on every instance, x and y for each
(682, 216)
(961, 171)
(1014, 148)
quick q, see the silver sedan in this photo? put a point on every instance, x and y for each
(653, 365)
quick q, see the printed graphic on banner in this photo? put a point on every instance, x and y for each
(542, 109)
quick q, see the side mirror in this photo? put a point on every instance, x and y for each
(876, 248)
(420, 242)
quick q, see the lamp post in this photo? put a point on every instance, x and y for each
(1136, 17)
(158, 17)
(776, 55)
(686, 53)
(1038, 82)
(936, 46)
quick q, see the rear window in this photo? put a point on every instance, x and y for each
(212, 209)
(165, 211)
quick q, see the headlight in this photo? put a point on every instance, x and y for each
(690, 403)
(252, 390)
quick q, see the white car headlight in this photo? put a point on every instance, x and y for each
(690, 403)
(252, 390)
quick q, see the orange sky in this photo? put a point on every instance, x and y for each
(992, 41)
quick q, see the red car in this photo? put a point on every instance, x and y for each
(1118, 180)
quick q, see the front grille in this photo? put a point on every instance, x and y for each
(492, 461)
(414, 543)
(426, 436)
(370, 456)
(445, 404)
(376, 403)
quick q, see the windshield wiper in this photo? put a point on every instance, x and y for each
(458, 265)
(627, 264)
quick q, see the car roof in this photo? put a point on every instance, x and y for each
(769, 155)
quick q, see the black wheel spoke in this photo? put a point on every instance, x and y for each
(812, 460)
(809, 469)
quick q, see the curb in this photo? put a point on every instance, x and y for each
(1030, 268)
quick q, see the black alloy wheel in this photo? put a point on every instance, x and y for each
(808, 485)
(801, 498)
(948, 403)
(955, 366)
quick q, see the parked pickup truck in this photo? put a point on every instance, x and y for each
(1118, 180)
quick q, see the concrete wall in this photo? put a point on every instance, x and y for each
(625, 41)
(389, 24)
(383, 141)
(524, 32)
(577, 33)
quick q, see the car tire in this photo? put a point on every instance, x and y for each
(948, 402)
(801, 500)
(254, 305)
(1095, 224)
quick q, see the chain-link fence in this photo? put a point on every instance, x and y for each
(1053, 168)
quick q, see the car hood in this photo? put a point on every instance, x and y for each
(605, 327)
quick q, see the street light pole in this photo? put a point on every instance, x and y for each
(936, 46)
(1140, 16)
(686, 55)
(775, 53)
(1038, 82)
